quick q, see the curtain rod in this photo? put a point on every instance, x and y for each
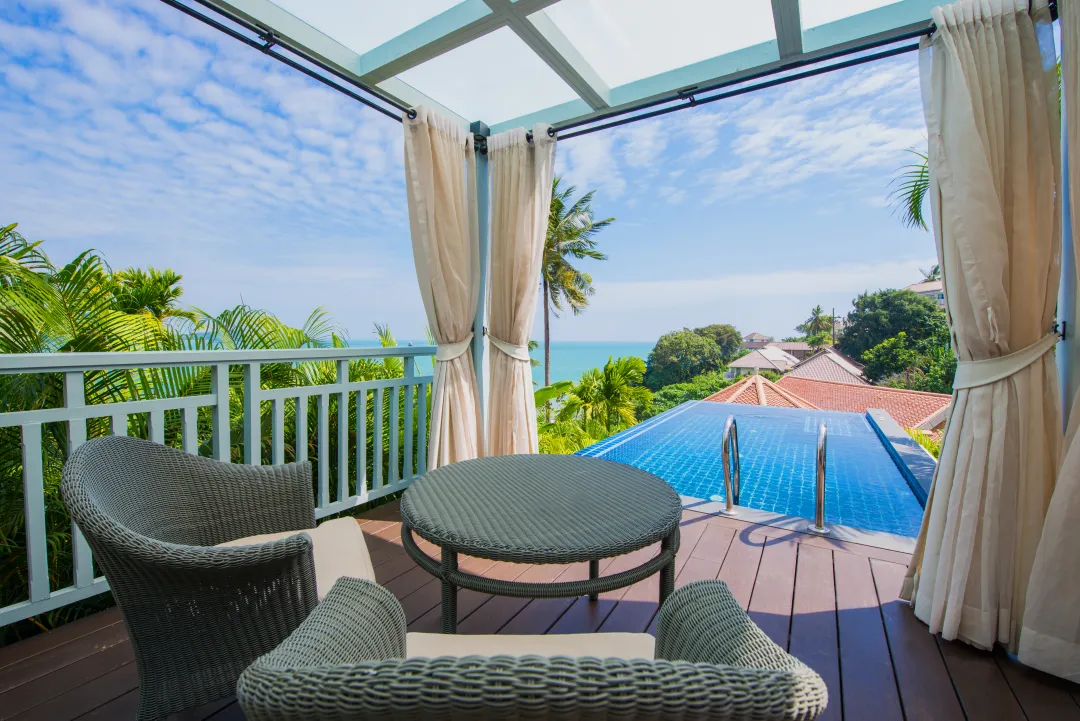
(267, 40)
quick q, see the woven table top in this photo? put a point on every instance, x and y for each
(541, 509)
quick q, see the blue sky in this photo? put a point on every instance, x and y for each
(132, 129)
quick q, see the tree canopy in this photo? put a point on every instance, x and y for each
(726, 337)
(883, 314)
(681, 355)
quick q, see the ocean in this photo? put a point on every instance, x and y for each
(569, 359)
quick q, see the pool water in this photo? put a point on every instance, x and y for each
(778, 448)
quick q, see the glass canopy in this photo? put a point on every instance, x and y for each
(515, 62)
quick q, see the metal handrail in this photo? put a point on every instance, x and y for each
(818, 527)
(729, 441)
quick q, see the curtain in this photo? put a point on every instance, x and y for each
(440, 181)
(520, 200)
(1050, 638)
(990, 96)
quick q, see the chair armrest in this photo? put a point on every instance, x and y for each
(357, 621)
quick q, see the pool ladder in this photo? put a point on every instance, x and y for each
(729, 452)
(818, 527)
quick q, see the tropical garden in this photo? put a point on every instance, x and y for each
(84, 305)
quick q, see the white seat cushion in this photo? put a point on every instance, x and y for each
(575, 645)
(339, 549)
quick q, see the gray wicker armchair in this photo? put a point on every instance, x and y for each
(199, 614)
(351, 660)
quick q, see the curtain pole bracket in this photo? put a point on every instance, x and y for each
(1059, 328)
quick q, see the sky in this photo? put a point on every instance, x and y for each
(132, 129)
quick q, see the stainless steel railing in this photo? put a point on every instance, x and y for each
(729, 452)
(818, 526)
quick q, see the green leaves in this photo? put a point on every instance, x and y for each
(681, 355)
(910, 189)
(570, 236)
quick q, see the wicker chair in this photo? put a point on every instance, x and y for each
(198, 615)
(352, 659)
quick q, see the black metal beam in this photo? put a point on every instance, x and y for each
(265, 41)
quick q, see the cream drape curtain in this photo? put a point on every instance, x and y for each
(1050, 638)
(990, 95)
(440, 181)
(520, 201)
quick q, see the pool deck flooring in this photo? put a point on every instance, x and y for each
(831, 603)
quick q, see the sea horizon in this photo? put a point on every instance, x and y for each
(569, 358)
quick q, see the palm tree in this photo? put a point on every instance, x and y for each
(152, 291)
(570, 236)
(610, 397)
(933, 274)
(911, 186)
(818, 322)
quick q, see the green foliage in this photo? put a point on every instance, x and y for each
(680, 356)
(888, 358)
(931, 442)
(676, 394)
(819, 323)
(726, 337)
(925, 365)
(564, 437)
(816, 341)
(883, 314)
(547, 394)
(83, 306)
(910, 189)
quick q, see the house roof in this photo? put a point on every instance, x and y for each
(931, 286)
(790, 345)
(757, 391)
(911, 409)
(756, 336)
(828, 365)
(767, 358)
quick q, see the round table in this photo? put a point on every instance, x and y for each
(540, 509)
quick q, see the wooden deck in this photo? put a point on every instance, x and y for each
(832, 604)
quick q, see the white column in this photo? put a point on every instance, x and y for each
(480, 322)
(1067, 352)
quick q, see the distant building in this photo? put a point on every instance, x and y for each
(798, 348)
(768, 358)
(931, 289)
(755, 340)
(829, 365)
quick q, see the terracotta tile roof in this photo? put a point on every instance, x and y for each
(828, 365)
(757, 391)
(911, 409)
(756, 336)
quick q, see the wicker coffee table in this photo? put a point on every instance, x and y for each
(540, 509)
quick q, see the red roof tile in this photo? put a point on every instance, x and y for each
(758, 391)
(909, 408)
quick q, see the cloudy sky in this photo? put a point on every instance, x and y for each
(127, 127)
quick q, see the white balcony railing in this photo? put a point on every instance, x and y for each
(367, 438)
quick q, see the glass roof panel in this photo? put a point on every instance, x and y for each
(819, 12)
(361, 26)
(627, 40)
(493, 78)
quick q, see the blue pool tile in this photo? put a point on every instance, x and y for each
(778, 448)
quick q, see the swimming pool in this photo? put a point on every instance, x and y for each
(778, 448)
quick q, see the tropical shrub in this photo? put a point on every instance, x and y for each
(883, 314)
(680, 356)
(676, 394)
(930, 441)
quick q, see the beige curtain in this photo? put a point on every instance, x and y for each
(520, 200)
(1050, 639)
(440, 180)
(990, 95)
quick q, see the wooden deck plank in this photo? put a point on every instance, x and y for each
(232, 712)
(85, 698)
(121, 708)
(586, 616)
(43, 665)
(428, 596)
(28, 695)
(813, 622)
(468, 600)
(714, 544)
(926, 690)
(774, 586)
(539, 615)
(20, 651)
(980, 684)
(866, 672)
(499, 610)
(1042, 696)
(740, 567)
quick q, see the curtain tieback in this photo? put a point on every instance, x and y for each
(972, 374)
(450, 351)
(520, 352)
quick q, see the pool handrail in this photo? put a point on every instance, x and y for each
(728, 442)
(818, 527)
